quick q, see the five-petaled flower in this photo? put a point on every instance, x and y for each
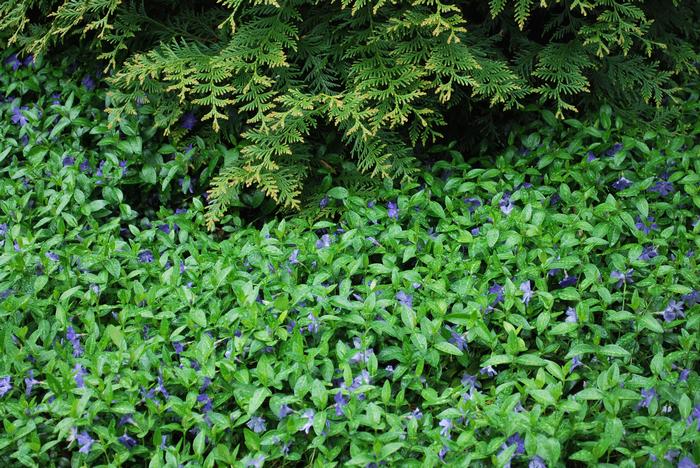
(127, 441)
(145, 256)
(646, 226)
(647, 396)
(527, 292)
(5, 385)
(622, 278)
(18, 117)
(621, 184)
(309, 415)
(256, 424)
(393, 210)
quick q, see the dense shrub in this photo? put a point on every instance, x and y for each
(543, 310)
(382, 74)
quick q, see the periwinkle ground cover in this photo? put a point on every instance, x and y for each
(528, 312)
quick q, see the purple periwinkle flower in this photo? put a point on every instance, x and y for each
(673, 310)
(457, 339)
(475, 231)
(52, 256)
(68, 161)
(687, 462)
(309, 416)
(256, 462)
(473, 203)
(14, 62)
(527, 292)
(323, 242)
(79, 376)
(446, 425)
(646, 226)
(568, 280)
(88, 82)
(537, 462)
(56, 101)
(404, 299)
(74, 341)
(145, 256)
(496, 289)
(683, 376)
(622, 278)
(506, 204)
(662, 187)
(470, 381)
(18, 117)
(188, 121)
(519, 441)
(571, 315)
(616, 148)
(691, 298)
(85, 442)
(590, 156)
(314, 325)
(284, 411)
(443, 451)
(179, 347)
(621, 184)
(393, 210)
(5, 385)
(256, 424)
(293, 258)
(648, 253)
(324, 202)
(575, 362)
(647, 396)
(29, 383)
(127, 441)
(340, 403)
(488, 370)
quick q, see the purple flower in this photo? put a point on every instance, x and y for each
(475, 231)
(188, 121)
(473, 203)
(88, 82)
(284, 411)
(324, 241)
(571, 316)
(323, 203)
(127, 441)
(446, 425)
(537, 462)
(506, 204)
(340, 403)
(686, 462)
(617, 147)
(145, 256)
(28, 60)
(206, 402)
(648, 253)
(646, 226)
(85, 166)
(79, 376)
(622, 278)
(393, 210)
(3, 229)
(568, 280)
(5, 385)
(443, 451)
(18, 117)
(575, 362)
(314, 325)
(13, 61)
(68, 161)
(527, 292)
(496, 289)
(662, 187)
(590, 156)
(470, 381)
(160, 388)
(416, 414)
(683, 377)
(56, 101)
(621, 184)
(489, 370)
(457, 339)
(309, 416)
(85, 442)
(293, 257)
(256, 462)
(516, 439)
(256, 424)
(673, 311)
(404, 299)
(179, 347)
(52, 256)
(692, 298)
(647, 396)
(29, 383)
(74, 341)
(122, 164)
(164, 228)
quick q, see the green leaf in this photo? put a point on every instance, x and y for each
(257, 400)
(199, 317)
(339, 193)
(614, 351)
(650, 323)
(448, 348)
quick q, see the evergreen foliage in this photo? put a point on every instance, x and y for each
(382, 73)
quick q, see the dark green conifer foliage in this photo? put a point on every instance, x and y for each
(381, 72)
